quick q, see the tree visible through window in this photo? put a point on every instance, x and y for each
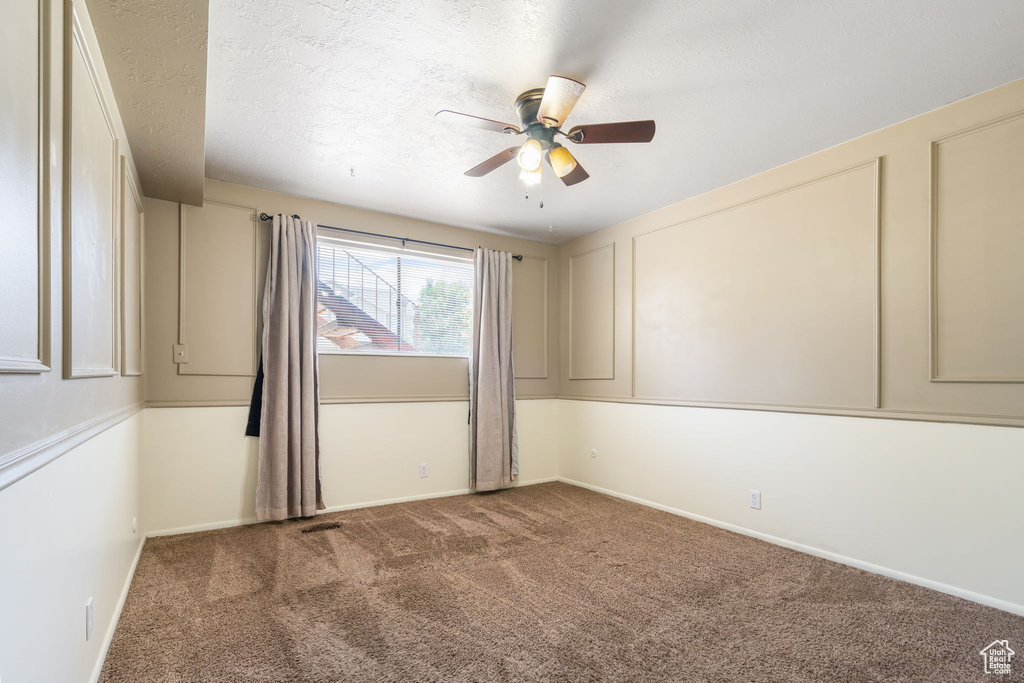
(380, 299)
(446, 315)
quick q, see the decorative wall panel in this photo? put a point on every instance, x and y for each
(773, 301)
(592, 314)
(530, 318)
(91, 183)
(132, 297)
(977, 243)
(24, 277)
(220, 289)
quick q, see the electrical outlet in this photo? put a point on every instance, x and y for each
(88, 619)
(593, 452)
(755, 499)
(135, 525)
(423, 470)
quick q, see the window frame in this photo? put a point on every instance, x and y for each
(397, 246)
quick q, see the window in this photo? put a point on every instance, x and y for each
(381, 298)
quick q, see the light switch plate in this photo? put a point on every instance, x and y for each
(181, 353)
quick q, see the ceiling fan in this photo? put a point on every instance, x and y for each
(542, 111)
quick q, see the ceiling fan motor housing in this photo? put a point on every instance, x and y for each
(527, 105)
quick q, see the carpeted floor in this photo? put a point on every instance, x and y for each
(541, 583)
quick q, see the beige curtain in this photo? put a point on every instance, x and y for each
(289, 467)
(493, 446)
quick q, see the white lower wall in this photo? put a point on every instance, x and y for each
(65, 536)
(931, 502)
(935, 503)
(199, 470)
(938, 503)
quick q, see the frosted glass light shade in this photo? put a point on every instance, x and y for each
(562, 161)
(530, 155)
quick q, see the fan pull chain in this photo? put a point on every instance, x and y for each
(540, 190)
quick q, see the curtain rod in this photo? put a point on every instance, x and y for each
(403, 240)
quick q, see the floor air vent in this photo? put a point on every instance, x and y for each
(325, 526)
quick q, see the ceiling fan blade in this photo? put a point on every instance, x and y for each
(560, 97)
(499, 159)
(576, 175)
(627, 131)
(476, 122)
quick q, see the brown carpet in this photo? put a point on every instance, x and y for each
(542, 583)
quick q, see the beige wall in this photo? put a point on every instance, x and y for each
(61, 308)
(879, 277)
(70, 393)
(876, 278)
(204, 274)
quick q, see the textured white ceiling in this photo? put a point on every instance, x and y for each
(304, 92)
(155, 55)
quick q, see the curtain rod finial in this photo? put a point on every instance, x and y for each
(264, 216)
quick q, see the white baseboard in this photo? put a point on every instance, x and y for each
(544, 480)
(333, 508)
(392, 501)
(112, 628)
(988, 600)
(424, 496)
(207, 526)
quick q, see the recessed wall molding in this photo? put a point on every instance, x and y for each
(592, 314)
(132, 275)
(220, 289)
(708, 334)
(976, 322)
(90, 220)
(530, 313)
(25, 339)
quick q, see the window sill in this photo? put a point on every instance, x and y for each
(385, 354)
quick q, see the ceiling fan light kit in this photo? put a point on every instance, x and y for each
(561, 160)
(530, 155)
(542, 111)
